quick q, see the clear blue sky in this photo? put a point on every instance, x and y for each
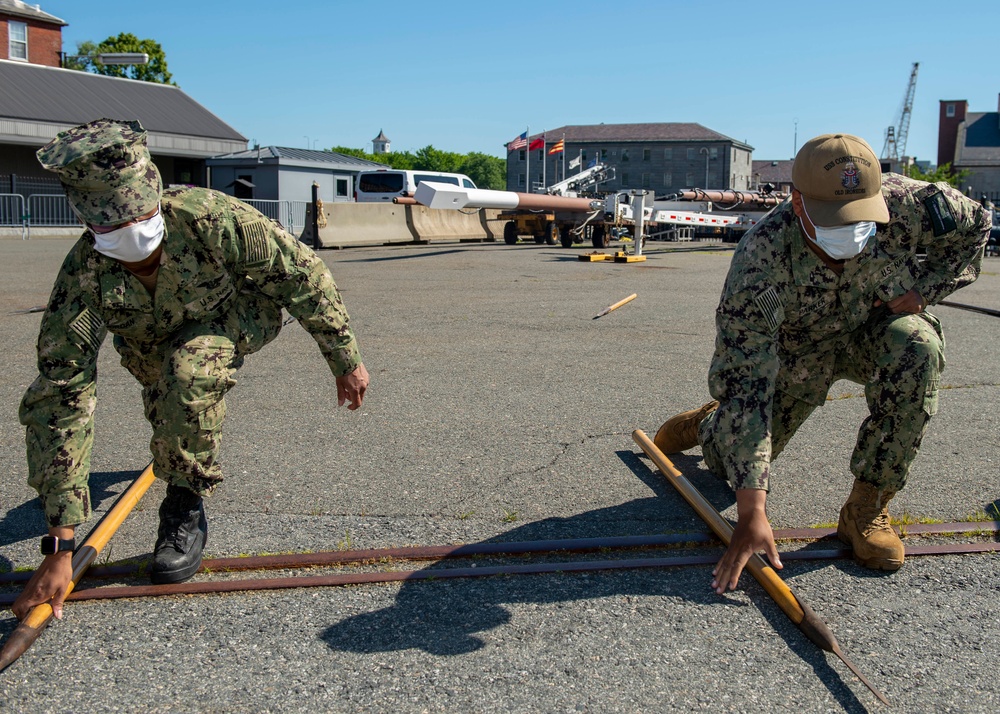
(470, 76)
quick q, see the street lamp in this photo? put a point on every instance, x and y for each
(112, 58)
(705, 149)
(123, 58)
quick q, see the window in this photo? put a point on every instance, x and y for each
(689, 179)
(668, 154)
(541, 154)
(520, 179)
(949, 109)
(583, 156)
(380, 182)
(466, 183)
(624, 180)
(604, 154)
(433, 178)
(18, 49)
(645, 180)
(624, 155)
(341, 188)
(713, 152)
(520, 155)
(668, 180)
(646, 154)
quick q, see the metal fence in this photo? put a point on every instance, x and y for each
(12, 212)
(11, 209)
(290, 215)
(52, 210)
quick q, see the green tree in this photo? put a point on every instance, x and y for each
(431, 159)
(156, 71)
(356, 153)
(941, 173)
(487, 171)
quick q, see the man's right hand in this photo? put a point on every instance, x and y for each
(49, 584)
(752, 534)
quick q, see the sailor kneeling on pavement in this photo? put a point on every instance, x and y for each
(189, 281)
(829, 286)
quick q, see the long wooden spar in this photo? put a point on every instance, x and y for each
(31, 627)
(797, 611)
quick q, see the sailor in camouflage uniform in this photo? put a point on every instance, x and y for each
(189, 281)
(829, 286)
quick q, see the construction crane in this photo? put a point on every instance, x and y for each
(894, 150)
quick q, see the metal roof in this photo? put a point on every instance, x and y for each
(37, 102)
(23, 9)
(609, 133)
(285, 155)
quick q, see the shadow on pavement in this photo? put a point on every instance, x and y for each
(444, 617)
(27, 519)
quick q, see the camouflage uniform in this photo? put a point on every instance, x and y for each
(226, 273)
(788, 327)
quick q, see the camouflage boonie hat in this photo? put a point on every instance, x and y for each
(106, 169)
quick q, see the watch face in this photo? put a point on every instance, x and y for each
(51, 545)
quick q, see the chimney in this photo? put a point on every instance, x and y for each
(951, 115)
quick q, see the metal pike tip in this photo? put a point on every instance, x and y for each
(19, 641)
(857, 673)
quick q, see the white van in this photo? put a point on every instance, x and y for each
(384, 185)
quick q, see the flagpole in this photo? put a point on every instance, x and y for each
(545, 184)
(564, 156)
(527, 159)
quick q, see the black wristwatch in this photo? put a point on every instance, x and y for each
(52, 545)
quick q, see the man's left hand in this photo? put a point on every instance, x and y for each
(351, 387)
(910, 301)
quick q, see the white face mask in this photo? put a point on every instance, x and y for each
(841, 242)
(131, 243)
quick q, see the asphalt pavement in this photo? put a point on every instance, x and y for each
(501, 410)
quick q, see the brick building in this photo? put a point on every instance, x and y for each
(27, 34)
(663, 158)
(970, 141)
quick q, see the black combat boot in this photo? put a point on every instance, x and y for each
(181, 537)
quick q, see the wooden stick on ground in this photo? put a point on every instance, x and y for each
(797, 611)
(617, 305)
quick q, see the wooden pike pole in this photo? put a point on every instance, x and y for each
(31, 627)
(617, 305)
(798, 612)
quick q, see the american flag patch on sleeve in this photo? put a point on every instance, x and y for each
(256, 245)
(88, 328)
(770, 307)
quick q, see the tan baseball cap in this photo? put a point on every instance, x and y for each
(840, 180)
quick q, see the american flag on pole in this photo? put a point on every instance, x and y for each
(519, 143)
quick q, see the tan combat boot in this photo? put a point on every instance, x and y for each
(864, 525)
(680, 432)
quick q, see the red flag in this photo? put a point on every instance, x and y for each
(558, 147)
(538, 143)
